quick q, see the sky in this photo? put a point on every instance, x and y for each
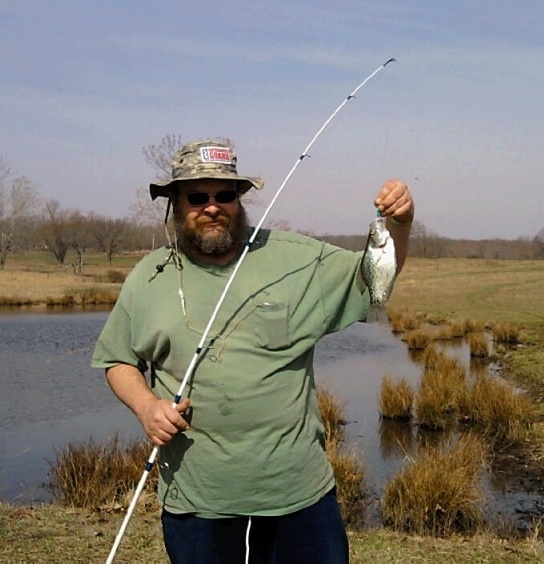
(85, 86)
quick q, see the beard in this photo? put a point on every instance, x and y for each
(199, 239)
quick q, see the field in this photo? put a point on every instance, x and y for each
(489, 290)
(473, 289)
(479, 290)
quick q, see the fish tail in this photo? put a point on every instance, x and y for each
(377, 314)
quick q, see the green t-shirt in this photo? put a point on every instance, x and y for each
(256, 442)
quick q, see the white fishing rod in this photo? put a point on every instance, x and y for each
(200, 346)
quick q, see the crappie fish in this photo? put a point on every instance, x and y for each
(379, 269)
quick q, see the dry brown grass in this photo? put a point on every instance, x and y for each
(402, 321)
(437, 492)
(396, 399)
(349, 476)
(441, 392)
(444, 332)
(478, 345)
(418, 339)
(505, 333)
(37, 286)
(505, 413)
(332, 415)
(346, 463)
(458, 329)
(97, 474)
(474, 326)
(37, 282)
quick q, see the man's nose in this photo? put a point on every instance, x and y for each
(212, 208)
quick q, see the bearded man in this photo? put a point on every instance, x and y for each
(244, 476)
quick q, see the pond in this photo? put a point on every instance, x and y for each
(51, 396)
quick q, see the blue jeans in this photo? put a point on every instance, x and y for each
(315, 535)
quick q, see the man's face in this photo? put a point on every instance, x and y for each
(209, 217)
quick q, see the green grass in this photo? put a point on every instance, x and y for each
(489, 290)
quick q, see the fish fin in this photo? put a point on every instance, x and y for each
(377, 314)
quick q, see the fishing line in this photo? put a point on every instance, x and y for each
(200, 346)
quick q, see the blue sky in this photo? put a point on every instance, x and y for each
(459, 116)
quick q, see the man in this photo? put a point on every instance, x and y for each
(243, 471)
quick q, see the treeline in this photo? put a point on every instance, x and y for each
(27, 222)
(425, 244)
(72, 233)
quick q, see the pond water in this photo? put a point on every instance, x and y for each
(51, 396)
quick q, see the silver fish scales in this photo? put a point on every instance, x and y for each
(379, 269)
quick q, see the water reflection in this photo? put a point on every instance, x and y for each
(397, 438)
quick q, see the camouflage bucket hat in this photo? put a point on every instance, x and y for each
(204, 159)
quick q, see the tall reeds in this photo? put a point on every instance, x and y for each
(346, 463)
(396, 399)
(478, 345)
(441, 391)
(504, 413)
(437, 492)
(505, 333)
(98, 473)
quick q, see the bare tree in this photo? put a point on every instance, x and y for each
(160, 156)
(78, 236)
(54, 230)
(146, 212)
(109, 233)
(18, 202)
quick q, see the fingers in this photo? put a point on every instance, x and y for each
(163, 421)
(394, 199)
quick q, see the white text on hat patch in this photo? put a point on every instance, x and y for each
(215, 155)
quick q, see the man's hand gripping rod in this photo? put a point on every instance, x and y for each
(190, 368)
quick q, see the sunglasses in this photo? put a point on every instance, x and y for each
(201, 198)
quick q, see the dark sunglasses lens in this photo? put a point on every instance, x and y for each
(225, 196)
(201, 198)
(197, 198)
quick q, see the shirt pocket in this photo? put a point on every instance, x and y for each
(272, 325)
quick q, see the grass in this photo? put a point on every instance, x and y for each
(504, 413)
(505, 333)
(33, 279)
(476, 289)
(441, 391)
(418, 339)
(478, 345)
(99, 474)
(51, 534)
(345, 462)
(437, 492)
(396, 399)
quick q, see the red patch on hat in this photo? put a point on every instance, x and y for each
(215, 155)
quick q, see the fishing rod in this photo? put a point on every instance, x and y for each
(200, 346)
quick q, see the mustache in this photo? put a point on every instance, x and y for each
(223, 220)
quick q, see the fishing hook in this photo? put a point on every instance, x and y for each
(200, 346)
